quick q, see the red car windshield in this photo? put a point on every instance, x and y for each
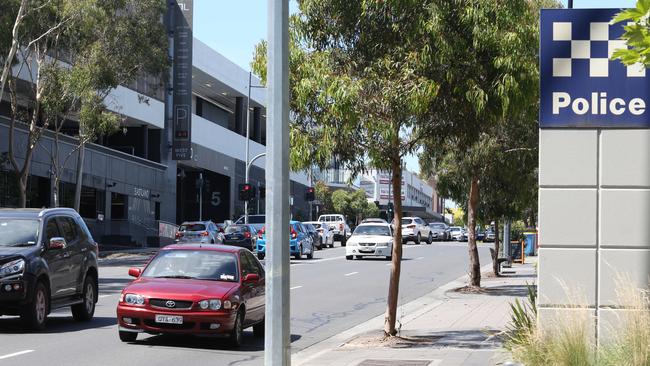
(194, 264)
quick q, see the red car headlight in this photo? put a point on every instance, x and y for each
(212, 304)
(132, 299)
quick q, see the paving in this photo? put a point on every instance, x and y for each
(444, 327)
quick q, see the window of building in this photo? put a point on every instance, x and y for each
(118, 206)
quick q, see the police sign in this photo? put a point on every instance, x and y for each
(580, 86)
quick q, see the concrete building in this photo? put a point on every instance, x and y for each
(133, 193)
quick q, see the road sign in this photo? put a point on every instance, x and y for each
(581, 87)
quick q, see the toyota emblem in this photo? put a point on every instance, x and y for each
(170, 304)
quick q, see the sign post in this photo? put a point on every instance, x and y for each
(182, 79)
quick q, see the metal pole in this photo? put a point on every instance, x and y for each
(276, 337)
(570, 4)
(200, 196)
(248, 136)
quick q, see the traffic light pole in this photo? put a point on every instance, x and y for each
(277, 331)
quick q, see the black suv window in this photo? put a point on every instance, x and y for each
(69, 229)
(51, 230)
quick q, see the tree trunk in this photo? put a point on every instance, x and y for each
(79, 180)
(6, 69)
(22, 191)
(495, 260)
(474, 263)
(393, 285)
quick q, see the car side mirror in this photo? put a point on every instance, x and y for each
(135, 272)
(251, 278)
(57, 243)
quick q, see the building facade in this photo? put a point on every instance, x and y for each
(133, 192)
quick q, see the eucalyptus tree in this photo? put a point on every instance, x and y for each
(483, 56)
(357, 95)
(73, 53)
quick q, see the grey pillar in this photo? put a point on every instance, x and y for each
(240, 117)
(145, 141)
(277, 335)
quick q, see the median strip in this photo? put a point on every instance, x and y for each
(16, 354)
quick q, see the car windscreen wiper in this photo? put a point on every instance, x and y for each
(177, 276)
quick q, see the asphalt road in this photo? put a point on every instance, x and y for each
(329, 294)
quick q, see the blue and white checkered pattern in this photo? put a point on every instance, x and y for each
(598, 49)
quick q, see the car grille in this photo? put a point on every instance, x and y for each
(178, 304)
(367, 244)
(153, 324)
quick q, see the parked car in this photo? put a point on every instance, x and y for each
(196, 290)
(414, 229)
(464, 235)
(243, 236)
(315, 235)
(480, 233)
(374, 220)
(439, 231)
(199, 232)
(257, 221)
(456, 233)
(48, 260)
(371, 239)
(338, 226)
(489, 235)
(300, 242)
(326, 235)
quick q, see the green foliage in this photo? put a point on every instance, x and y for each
(523, 318)
(354, 205)
(324, 195)
(637, 34)
(517, 229)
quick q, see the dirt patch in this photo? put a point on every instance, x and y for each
(469, 290)
(377, 341)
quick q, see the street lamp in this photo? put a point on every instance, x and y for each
(248, 135)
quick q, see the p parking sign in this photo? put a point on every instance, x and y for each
(580, 86)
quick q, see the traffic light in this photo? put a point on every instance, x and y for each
(310, 194)
(390, 208)
(246, 192)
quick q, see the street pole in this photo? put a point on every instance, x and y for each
(248, 136)
(200, 196)
(277, 331)
(570, 4)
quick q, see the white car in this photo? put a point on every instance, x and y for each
(456, 233)
(338, 226)
(326, 235)
(373, 239)
(415, 229)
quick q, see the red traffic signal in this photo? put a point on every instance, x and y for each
(246, 192)
(310, 194)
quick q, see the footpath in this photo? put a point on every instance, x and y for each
(446, 327)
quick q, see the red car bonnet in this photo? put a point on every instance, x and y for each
(180, 289)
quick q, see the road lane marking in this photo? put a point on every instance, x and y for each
(389, 264)
(350, 274)
(295, 287)
(16, 354)
(419, 258)
(103, 296)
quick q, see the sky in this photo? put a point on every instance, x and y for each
(234, 27)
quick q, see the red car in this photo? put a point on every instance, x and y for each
(195, 289)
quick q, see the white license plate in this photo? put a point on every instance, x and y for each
(169, 319)
(367, 250)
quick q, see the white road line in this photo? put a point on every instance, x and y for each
(102, 296)
(419, 258)
(351, 273)
(295, 287)
(16, 354)
(389, 264)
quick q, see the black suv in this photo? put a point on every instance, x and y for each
(48, 260)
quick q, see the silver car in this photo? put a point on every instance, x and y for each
(439, 231)
(199, 232)
(326, 235)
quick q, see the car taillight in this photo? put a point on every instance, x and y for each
(260, 233)
(412, 226)
(178, 234)
(294, 234)
(341, 227)
(205, 233)
(247, 235)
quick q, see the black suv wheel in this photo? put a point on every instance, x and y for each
(34, 315)
(86, 310)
